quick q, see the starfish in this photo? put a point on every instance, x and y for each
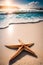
(21, 47)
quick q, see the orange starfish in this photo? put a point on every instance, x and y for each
(21, 47)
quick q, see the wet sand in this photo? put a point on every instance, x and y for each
(27, 33)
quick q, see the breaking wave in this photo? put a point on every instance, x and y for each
(6, 20)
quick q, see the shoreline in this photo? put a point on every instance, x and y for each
(4, 27)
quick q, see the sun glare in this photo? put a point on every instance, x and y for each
(8, 2)
(8, 6)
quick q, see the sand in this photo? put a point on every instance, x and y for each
(27, 33)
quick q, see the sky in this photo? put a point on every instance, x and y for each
(26, 3)
(32, 3)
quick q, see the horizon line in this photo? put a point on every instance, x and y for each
(7, 6)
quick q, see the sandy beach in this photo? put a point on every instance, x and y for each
(27, 33)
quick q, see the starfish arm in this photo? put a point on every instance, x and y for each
(25, 44)
(17, 53)
(31, 44)
(20, 41)
(13, 46)
(28, 49)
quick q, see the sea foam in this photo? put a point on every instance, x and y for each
(6, 20)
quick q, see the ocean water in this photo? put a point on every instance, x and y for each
(23, 16)
(29, 17)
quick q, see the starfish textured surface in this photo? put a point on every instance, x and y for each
(21, 47)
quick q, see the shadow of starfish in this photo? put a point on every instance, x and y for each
(24, 53)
